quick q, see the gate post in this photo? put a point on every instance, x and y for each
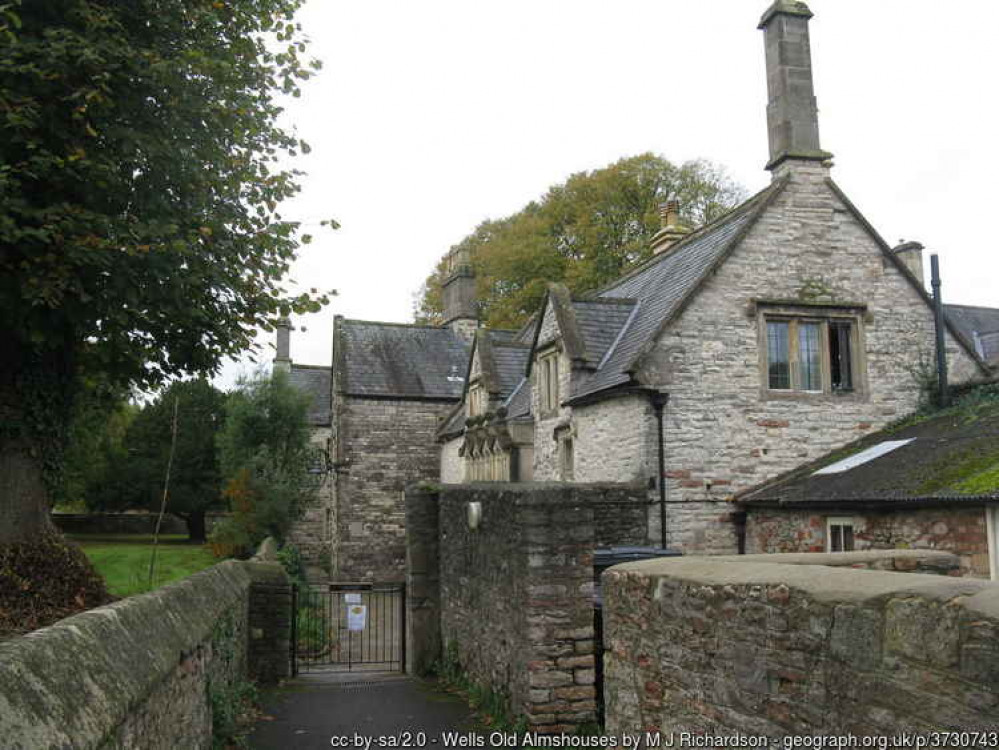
(271, 622)
(422, 639)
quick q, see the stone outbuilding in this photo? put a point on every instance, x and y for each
(926, 484)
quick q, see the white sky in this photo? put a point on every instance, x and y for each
(429, 117)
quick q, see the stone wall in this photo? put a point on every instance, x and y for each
(312, 531)
(725, 431)
(142, 672)
(452, 465)
(511, 601)
(960, 530)
(388, 445)
(754, 646)
(125, 523)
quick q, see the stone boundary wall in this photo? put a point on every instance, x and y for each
(142, 672)
(779, 645)
(512, 600)
(125, 523)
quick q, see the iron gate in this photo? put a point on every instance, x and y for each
(349, 627)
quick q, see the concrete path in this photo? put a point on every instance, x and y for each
(336, 709)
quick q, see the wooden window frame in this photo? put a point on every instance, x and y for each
(825, 318)
(841, 522)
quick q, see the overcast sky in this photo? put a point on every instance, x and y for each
(429, 117)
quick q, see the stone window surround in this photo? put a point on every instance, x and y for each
(547, 368)
(855, 314)
(477, 399)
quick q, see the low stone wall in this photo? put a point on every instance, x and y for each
(124, 523)
(778, 645)
(143, 672)
(512, 600)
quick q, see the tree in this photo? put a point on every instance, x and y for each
(585, 232)
(265, 458)
(135, 479)
(139, 189)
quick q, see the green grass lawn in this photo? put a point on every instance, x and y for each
(123, 560)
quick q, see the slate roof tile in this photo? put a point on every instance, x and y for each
(315, 381)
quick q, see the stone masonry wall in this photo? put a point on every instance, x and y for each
(517, 598)
(512, 600)
(547, 458)
(750, 646)
(725, 431)
(452, 465)
(961, 531)
(140, 672)
(387, 445)
(311, 533)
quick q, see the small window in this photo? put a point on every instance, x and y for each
(839, 535)
(809, 355)
(568, 460)
(477, 400)
(548, 381)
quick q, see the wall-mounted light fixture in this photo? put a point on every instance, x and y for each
(474, 514)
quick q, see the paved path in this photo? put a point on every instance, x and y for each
(313, 708)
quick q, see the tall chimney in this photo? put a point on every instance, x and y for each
(458, 294)
(911, 254)
(671, 230)
(282, 358)
(792, 114)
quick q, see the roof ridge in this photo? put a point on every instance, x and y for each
(687, 240)
(391, 324)
(297, 366)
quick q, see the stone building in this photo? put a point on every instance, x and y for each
(933, 484)
(375, 412)
(779, 332)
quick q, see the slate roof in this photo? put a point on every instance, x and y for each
(953, 457)
(980, 325)
(509, 364)
(657, 290)
(600, 322)
(315, 381)
(398, 360)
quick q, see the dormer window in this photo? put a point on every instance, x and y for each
(548, 381)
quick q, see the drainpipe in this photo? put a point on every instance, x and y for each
(659, 401)
(938, 319)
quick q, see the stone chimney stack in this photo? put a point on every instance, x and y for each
(459, 294)
(672, 231)
(282, 357)
(792, 113)
(911, 254)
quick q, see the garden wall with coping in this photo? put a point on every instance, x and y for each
(511, 600)
(126, 523)
(146, 670)
(778, 645)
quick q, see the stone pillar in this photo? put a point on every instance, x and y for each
(423, 623)
(792, 112)
(269, 645)
(282, 356)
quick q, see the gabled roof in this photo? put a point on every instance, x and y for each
(980, 325)
(657, 290)
(395, 360)
(952, 457)
(316, 382)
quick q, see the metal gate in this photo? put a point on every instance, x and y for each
(349, 627)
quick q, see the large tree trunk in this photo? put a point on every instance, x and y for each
(195, 521)
(24, 508)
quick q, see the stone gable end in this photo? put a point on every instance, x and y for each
(725, 431)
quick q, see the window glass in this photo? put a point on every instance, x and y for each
(777, 354)
(809, 358)
(840, 360)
